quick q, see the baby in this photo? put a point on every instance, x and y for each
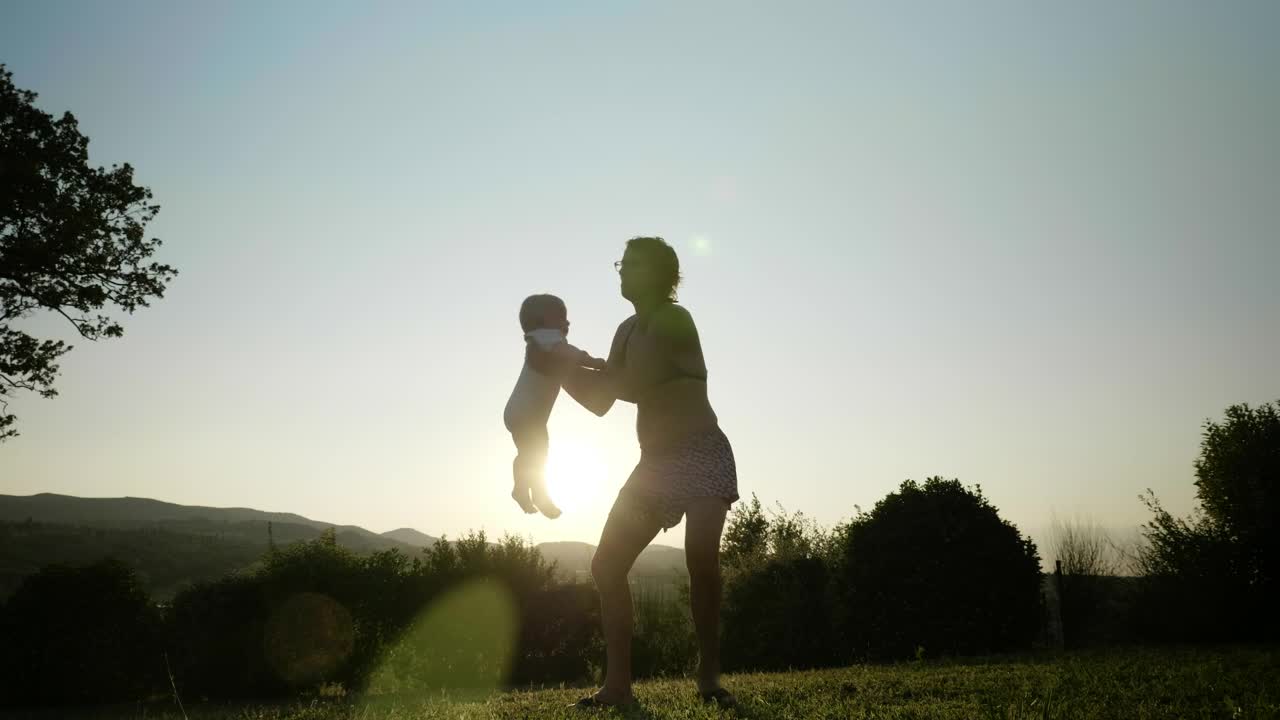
(545, 322)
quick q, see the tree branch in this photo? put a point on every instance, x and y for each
(75, 323)
(20, 385)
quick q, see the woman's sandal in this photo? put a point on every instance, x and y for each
(721, 697)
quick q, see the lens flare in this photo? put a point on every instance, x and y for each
(307, 638)
(462, 645)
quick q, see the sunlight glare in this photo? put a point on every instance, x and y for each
(576, 474)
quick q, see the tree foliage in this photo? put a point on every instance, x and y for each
(934, 566)
(1212, 576)
(1238, 483)
(746, 535)
(753, 536)
(80, 635)
(71, 242)
(314, 612)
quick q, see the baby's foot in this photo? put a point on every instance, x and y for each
(521, 496)
(544, 503)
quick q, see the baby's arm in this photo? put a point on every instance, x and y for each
(570, 355)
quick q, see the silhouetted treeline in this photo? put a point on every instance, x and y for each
(312, 613)
(932, 570)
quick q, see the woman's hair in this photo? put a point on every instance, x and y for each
(666, 266)
(535, 309)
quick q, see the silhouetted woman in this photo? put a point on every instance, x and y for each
(686, 464)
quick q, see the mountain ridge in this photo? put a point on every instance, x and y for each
(238, 531)
(411, 536)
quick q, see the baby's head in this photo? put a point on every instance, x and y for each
(539, 312)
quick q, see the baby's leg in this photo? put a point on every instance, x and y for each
(534, 442)
(542, 499)
(520, 493)
(527, 468)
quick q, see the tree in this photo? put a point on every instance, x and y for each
(80, 635)
(1083, 548)
(1212, 576)
(934, 566)
(71, 242)
(1238, 483)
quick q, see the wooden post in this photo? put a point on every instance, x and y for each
(1058, 596)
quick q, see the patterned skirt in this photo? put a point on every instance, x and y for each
(664, 482)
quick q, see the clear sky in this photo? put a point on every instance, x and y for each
(1030, 245)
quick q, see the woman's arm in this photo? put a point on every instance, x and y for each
(591, 388)
(596, 390)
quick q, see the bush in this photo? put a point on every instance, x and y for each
(778, 616)
(664, 642)
(934, 569)
(777, 607)
(1191, 588)
(80, 635)
(560, 637)
(216, 632)
(314, 613)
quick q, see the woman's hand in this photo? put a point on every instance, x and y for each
(592, 389)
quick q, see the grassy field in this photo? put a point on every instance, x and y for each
(1241, 682)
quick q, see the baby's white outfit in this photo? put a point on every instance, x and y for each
(535, 393)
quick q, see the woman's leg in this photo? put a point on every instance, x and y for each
(625, 535)
(704, 523)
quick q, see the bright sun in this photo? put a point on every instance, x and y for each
(576, 474)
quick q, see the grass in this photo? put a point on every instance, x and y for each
(1236, 682)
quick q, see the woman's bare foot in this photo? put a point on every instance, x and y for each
(721, 697)
(606, 698)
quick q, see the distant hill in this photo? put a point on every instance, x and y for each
(573, 560)
(660, 560)
(409, 536)
(171, 545)
(165, 560)
(129, 513)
